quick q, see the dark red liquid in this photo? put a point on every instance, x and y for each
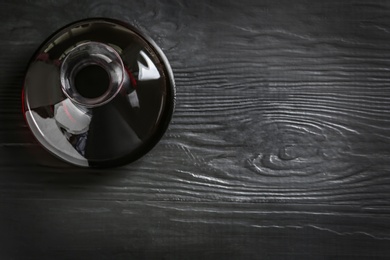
(92, 81)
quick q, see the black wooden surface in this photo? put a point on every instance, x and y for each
(279, 146)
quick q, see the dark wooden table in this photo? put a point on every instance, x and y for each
(279, 146)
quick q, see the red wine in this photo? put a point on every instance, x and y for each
(92, 81)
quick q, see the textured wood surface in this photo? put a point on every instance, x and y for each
(279, 146)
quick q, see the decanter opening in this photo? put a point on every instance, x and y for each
(91, 74)
(92, 81)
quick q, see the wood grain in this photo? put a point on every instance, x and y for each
(176, 230)
(279, 145)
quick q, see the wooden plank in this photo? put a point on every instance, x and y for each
(280, 137)
(80, 229)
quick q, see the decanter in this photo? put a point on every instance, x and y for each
(98, 93)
